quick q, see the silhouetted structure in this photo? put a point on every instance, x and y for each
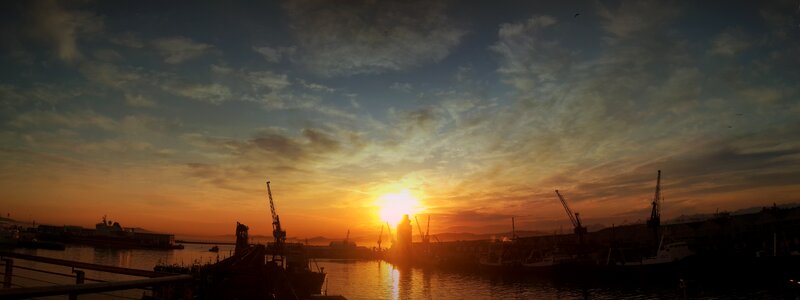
(242, 238)
(403, 245)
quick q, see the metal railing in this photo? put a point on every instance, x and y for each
(159, 285)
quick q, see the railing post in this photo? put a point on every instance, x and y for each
(7, 276)
(80, 276)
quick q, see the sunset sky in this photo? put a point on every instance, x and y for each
(172, 116)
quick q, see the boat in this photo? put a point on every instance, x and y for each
(499, 259)
(549, 260)
(214, 249)
(107, 234)
(669, 253)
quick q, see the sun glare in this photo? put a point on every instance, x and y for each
(394, 206)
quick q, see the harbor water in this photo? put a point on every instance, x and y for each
(380, 280)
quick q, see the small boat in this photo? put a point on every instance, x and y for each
(549, 260)
(669, 253)
(214, 249)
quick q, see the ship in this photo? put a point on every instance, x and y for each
(108, 234)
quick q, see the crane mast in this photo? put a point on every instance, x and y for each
(277, 231)
(427, 231)
(655, 214)
(389, 228)
(580, 230)
(421, 234)
(513, 229)
(380, 237)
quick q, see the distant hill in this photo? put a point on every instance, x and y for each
(743, 211)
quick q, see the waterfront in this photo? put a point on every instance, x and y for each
(381, 280)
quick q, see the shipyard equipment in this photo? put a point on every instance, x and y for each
(277, 231)
(427, 237)
(580, 230)
(513, 229)
(380, 237)
(422, 235)
(389, 228)
(655, 214)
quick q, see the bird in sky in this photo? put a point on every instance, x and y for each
(576, 15)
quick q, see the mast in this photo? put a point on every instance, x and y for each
(421, 234)
(277, 231)
(380, 237)
(655, 214)
(428, 230)
(513, 229)
(389, 228)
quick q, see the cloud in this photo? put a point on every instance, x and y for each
(365, 37)
(213, 93)
(128, 39)
(61, 28)
(316, 87)
(528, 58)
(109, 74)
(176, 50)
(634, 18)
(275, 55)
(80, 119)
(139, 101)
(403, 87)
(730, 42)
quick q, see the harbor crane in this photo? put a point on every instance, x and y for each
(380, 237)
(277, 231)
(513, 229)
(391, 237)
(427, 231)
(426, 235)
(580, 230)
(655, 214)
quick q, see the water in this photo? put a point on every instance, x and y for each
(381, 280)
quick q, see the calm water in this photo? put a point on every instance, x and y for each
(380, 280)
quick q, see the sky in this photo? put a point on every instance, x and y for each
(173, 115)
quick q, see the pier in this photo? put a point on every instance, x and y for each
(151, 285)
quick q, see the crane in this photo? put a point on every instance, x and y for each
(389, 228)
(655, 214)
(380, 237)
(513, 230)
(277, 231)
(428, 230)
(421, 234)
(580, 230)
(426, 237)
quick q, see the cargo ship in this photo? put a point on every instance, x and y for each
(108, 234)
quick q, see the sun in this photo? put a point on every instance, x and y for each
(394, 206)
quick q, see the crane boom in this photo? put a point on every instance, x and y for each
(277, 231)
(580, 230)
(572, 216)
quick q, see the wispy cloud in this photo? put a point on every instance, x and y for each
(371, 37)
(61, 28)
(176, 50)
